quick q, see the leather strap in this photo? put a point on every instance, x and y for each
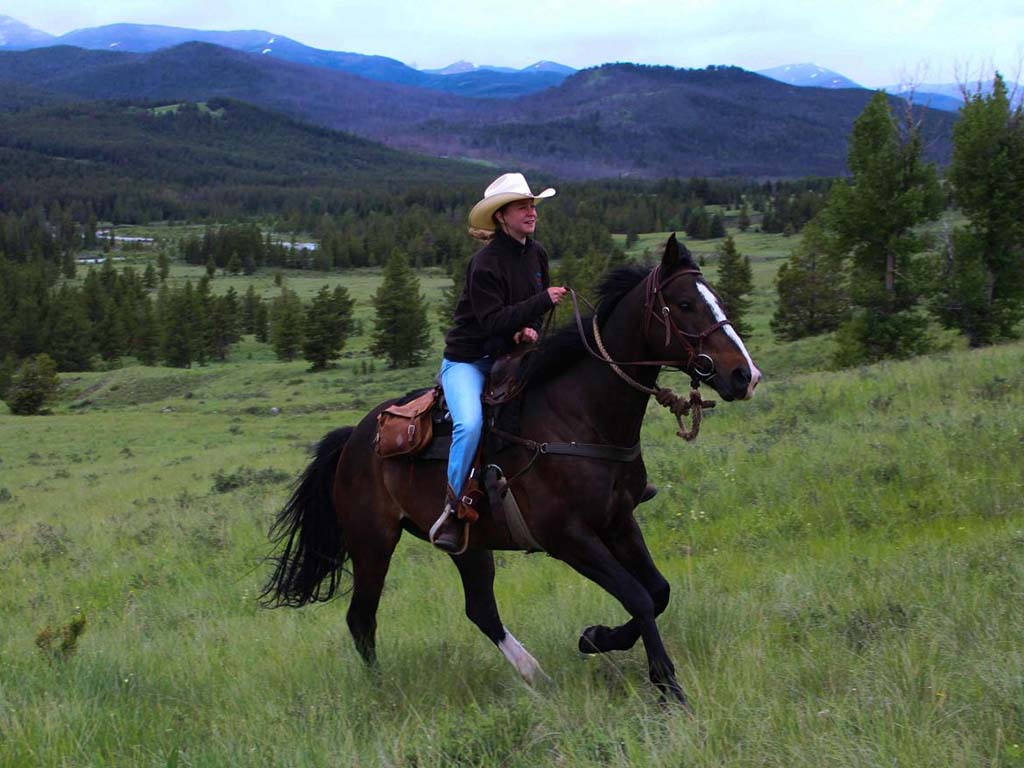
(619, 453)
(500, 494)
(517, 525)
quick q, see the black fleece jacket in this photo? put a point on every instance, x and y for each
(505, 291)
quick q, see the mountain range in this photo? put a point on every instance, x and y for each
(617, 120)
(945, 96)
(461, 78)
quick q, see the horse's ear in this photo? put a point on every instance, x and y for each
(671, 257)
(676, 256)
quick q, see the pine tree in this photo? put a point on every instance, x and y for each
(147, 335)
(328, 323)
(178, 338)
(68, 331)
(717, 226)
(111, 334)
(743, 220)
(450, 294)
(248, 316)
(34, 385)
(584, 274)
(698, 225)
(149, 277)
(163, 265)
(261, 323)
(401, 334)
(8, 366)
(225, 323)
(203, 321)
(981, 289)
(68, 267)
(873, 219)
(734, 284)
(811, 289)
(89, 233)
(286, 325)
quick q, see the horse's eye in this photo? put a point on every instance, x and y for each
(685, 306)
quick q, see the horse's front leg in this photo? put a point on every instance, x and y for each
(588, 554)
(476, 567)
(627, 545)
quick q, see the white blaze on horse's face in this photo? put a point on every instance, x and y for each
(716, 309)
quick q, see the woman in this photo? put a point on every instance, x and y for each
(506, 295)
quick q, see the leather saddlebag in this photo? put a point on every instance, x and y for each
(405, 430)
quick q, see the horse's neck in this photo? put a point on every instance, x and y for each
(603, 406)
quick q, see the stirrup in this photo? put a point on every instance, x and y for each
(436, 527)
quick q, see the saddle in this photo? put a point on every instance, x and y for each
(419, 428)
(408, 428)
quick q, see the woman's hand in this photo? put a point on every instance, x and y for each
(525, 336)
(555, 293)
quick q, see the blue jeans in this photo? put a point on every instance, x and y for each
(463, 383)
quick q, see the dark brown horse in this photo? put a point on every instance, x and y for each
(351, 505)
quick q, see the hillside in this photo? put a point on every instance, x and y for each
(845, 554)
(200, 71)
(629, 120)
(174, 159)
(614, 120)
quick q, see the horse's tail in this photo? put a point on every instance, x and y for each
(309, 568)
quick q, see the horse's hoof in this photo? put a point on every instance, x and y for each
(594, 639)
(672, 698)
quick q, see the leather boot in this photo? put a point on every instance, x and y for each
(449, 532)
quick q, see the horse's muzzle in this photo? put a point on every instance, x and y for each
(741, 383)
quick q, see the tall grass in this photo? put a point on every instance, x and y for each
(846, 553)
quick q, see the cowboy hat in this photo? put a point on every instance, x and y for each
(505, 189)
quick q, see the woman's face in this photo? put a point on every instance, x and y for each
(519, 218)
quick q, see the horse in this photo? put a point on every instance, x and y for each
(351, 506)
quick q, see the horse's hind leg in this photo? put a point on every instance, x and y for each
(476, 568)
(370, 550)
(630, 549)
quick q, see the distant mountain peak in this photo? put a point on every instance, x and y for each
(808, 74)
(456, 68)
(550, 66)
(463, 67)
(15, 34)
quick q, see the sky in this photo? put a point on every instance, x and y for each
(872, 43)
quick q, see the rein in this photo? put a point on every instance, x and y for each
(701, 368)
(700, 365)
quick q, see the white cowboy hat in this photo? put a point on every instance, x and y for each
(505, 189)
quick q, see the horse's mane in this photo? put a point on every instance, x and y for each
(563, 348)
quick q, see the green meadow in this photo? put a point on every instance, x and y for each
(846, 553)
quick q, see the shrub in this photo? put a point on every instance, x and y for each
(34, 385)
(47, 639)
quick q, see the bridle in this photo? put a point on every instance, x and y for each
(698, 364)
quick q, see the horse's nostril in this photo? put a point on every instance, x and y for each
(740, 378)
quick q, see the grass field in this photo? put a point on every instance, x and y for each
(846, 553)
